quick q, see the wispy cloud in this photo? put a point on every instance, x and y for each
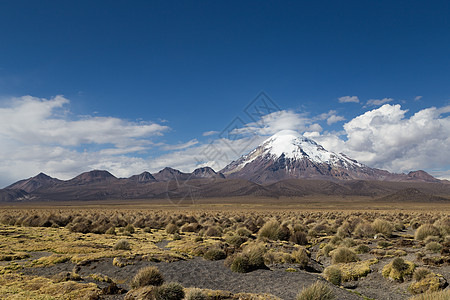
(331, 117)
(181, 146)
(377, 102)
(348, 99)
(209, 133)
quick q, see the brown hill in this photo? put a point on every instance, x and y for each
(31, 184)
(411, 195)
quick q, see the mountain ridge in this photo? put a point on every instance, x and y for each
(284, 165)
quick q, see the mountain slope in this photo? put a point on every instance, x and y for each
(31, 184)
(287, 154)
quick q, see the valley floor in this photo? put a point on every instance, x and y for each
(71, 250)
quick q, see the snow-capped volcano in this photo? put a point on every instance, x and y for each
(288, 154)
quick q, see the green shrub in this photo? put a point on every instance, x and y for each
(316, 291)
(343, 255)
(333, 274)
(426, 230)
(214, 254)
(122, 245)
(169, 291)
(383, 227)
(147, 276)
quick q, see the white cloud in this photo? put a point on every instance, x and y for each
(377, 102)
(348, 99)
(181, 146)
(417, 98)
(334, 119)
(208, 133)
(31, 120)
(38, 135)
(277, 121)
(385, 138)
(331, 117)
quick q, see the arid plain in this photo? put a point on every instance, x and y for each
(226, 248)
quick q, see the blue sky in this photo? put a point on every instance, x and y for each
(132, 86)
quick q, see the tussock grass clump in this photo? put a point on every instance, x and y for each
(240, 264)
(111, 231)
(424, 231)
(441, 295)
(317, 291)
(243, 232)
(397, 269)
(147, 276)
(343, 255)
(271, 230)
(251, 258)
(383, 227)
(420, 273)
(169, 291)
(299, 238)
(214, 254)
(129, 228)
(443, 225)
(431, 238)
(333, 274)
(255, 253)
(354, 270)
(327, 249)
(213, 231)
(360, 249)
(433, 247)
(171, 228)
(301, 257)
(122, 245)
(430, 283)
(195, 294)
(235, 240)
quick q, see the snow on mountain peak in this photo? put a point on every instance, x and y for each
(295, 147)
